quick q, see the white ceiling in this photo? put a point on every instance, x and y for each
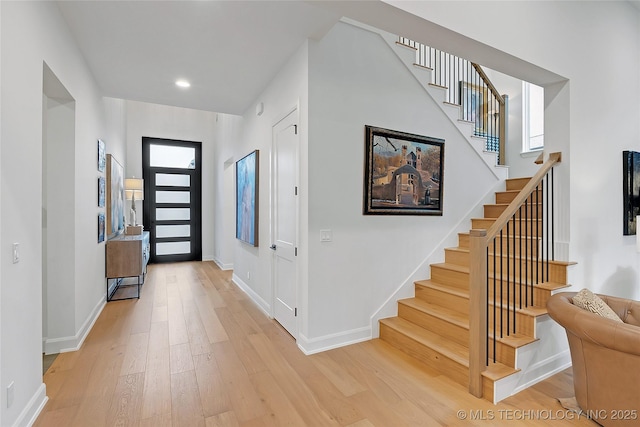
(228, 50)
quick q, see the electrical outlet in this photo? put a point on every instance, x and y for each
(248, 275)
(10, 394)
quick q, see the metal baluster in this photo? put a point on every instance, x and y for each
(508, 283)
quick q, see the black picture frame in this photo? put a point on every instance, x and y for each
(403, 173)
(630, 190)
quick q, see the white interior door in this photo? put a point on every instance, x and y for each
(285, 222)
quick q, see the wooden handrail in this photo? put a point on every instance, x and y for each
(523, 195)
(478, 293)
(490, 85)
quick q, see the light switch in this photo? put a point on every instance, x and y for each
(16, 253)
(326, 235)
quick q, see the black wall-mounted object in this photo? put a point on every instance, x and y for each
(631, 190)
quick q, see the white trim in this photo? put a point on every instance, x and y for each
(261, 303)
(30, 413)
(73, 343)
(295, 113)
(544, 369)
(220, 264)
(331, 341)
(532, 153)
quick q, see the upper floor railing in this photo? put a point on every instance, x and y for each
(469, 87)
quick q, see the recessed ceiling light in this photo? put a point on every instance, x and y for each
(183, 83)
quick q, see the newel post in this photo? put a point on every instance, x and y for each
(477, 309)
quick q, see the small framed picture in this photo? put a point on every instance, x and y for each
(102, 156)
(101, 225)
(102, 191)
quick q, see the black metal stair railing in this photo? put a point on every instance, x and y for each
(507, 261)
(469, 87)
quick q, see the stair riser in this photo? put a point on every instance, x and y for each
(463, 240)
(507, 197)
(494, 211)
(555, 272)
(525, 269)
(435, 324)
(525, 324)
(516, 183)
(450, 277)
(426, 355)
(444, 299)
(504, 354)
(529, 227)
(452, 256)
(540, 296)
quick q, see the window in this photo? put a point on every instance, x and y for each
(532, 117)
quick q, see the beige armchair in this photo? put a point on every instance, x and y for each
(605, 356)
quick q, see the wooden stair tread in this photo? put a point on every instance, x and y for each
(514, 340)
(512, 256)
(453, 267)
(452, 350)
(497, 371)
(464, 293)
(428, 283)
(551, 286)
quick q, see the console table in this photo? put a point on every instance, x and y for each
(126, 256)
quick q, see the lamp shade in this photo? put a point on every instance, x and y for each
(134, 187)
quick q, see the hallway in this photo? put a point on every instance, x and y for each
(195, 351)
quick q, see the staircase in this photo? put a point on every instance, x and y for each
(433, 326)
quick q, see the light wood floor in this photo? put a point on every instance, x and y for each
(195, 351)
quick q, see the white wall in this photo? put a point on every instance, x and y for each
(228, 128)
(286, 91)
(161, 121)
(33, 33)
(59, 228)
(356, 80)
(520, 164)
(596, 46)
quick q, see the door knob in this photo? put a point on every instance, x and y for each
(272, 247)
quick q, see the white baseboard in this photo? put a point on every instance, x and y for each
(73, 343)
(543, 369)
(331, 341)
(261, 303)
(223, 266)
(30, 413)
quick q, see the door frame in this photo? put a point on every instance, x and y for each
(295, 111)
(196, 209)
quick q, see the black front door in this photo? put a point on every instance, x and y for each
(172, 198)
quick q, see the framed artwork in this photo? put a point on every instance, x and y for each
(247, 171)
(102, 159)
(403, 173)
(101, 224)
(102, 191)
(473, 101)
(115, 197)
(630, 190)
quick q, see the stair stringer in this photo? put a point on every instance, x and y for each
(422, 76)
(536, 361)
(406, 289)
